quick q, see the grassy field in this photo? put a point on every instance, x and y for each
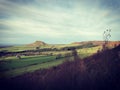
(13, 63)
(97, 72)
(30, 68)
(12, 66)
(17, 48)
(84, 52)
(25, 47)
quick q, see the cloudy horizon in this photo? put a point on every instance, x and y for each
(58, 21)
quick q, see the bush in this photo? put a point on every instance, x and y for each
(58, 56)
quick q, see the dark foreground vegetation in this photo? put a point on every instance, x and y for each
(100, 71)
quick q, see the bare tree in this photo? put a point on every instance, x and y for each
(75, 54)
(106, 37)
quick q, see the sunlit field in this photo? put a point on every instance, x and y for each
(11, 66)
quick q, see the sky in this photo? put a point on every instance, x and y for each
(58, 21)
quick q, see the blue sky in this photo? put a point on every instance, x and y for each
(58, 21)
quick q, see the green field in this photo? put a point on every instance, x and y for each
(14, 63)
(25, 47)
(12, 66)
(16, 48)
(29, 64)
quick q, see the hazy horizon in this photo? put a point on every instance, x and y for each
(7, 44)
(58, 21)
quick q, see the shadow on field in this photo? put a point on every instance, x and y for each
(97, 72)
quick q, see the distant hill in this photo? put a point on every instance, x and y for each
(37, 44)
(5, 46)
(111, 43)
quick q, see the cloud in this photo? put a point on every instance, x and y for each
(58, 19)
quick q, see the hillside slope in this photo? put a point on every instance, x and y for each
(97, 72)
(111, 43)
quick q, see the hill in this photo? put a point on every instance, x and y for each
(97, 72)
(37, 44)
(111, 43)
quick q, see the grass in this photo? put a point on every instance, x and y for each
(11, 66)
(97, 72)
(13, 63)
(19, 71)
(17, 48)
(25, 47)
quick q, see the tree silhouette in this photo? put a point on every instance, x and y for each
(75, 54)
(37, 48)
(106, 37)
